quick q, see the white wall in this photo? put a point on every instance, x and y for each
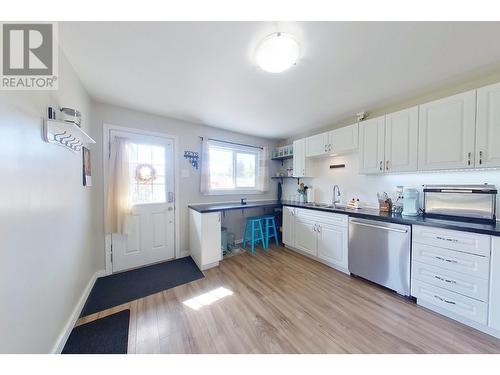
(47, 248)
(188, 134)
(365, 187)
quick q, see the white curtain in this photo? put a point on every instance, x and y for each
(263, 170)
(205, 167)
(118, 204)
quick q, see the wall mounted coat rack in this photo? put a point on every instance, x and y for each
(65, 134)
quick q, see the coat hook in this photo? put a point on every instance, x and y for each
(59, 135)
(69, 141)
(63, 139)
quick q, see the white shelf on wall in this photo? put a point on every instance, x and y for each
(65, 134)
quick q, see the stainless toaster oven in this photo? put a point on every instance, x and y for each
(466, 202)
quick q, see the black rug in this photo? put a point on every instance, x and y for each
(113, 290)
(107, 335)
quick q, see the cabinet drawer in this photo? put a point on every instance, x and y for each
(453, 281)
(473, 265)
(473, 243)
(323, 217)
(454, 303)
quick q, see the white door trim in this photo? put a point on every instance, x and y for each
(105, 152)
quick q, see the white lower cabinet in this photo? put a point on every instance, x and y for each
(457, 274)
(205, 239)
(320, 235)
(456, 282)
(288, 233)
(494, 311)
(332, 244)
(449, 303)
(306, 235)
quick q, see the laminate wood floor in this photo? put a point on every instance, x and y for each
(283, 302)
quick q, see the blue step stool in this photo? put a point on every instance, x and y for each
(270, 226)
(254, 225)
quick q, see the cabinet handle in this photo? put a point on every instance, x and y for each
(381, 165)
(446, 260)
(447, 239)
(387, 165)
(319, 228)
(445, 280)
(444, 300)
(326, 147)
(330, 148)
(480, 157)
(314, 228)
(468, 158)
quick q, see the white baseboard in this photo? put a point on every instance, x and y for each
(61, 340)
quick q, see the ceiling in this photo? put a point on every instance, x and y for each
(205, 72)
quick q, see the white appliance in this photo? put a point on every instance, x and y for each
(410, 202)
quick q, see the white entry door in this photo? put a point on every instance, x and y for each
(150, 234)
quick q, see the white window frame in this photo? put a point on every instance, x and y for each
(235, 150)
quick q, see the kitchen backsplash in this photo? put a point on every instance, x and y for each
(365, 187)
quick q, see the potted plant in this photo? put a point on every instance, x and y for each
(302, 190)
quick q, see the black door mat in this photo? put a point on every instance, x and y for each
(113, 290)
(108, 335)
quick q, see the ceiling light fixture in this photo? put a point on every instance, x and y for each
(277, 52)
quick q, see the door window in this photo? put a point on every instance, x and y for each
(147, 173)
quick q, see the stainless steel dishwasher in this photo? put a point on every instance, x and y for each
(380, 252)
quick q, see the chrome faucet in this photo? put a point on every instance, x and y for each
(334, 198)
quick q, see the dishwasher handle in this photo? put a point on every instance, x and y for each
(379, 227)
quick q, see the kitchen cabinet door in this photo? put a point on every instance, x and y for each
(305, 235)
(447, 130)
(488, 126)
(401, 140)
(371, 143)
(344, 139)
(289, 226)
(494, 310)
(332, 245)
(299, 158)
(317, 145)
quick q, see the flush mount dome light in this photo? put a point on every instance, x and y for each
(277, 53)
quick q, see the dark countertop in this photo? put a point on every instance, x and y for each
(373, 214)
(364, 213)
(216, 207)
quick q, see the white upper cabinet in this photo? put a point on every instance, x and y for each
(343, 139)
(447, 132)
(488, 126)
(371, 144)
(317, 145)
(401, 140)
(333, 142)
(299, 158)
